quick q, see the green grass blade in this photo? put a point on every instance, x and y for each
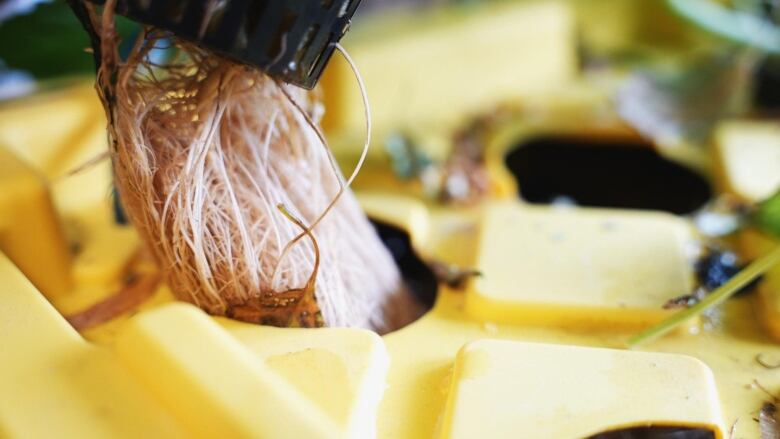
(744, 277)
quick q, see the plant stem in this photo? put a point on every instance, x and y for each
(744, 277)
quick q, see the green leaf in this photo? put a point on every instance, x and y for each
(767, 215)
(49, 42)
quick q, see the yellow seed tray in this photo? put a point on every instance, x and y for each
(535, 348)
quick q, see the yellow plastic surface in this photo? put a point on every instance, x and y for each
(767, 301)
(212, 385)
(129, 366)
(168, 370)
(469, 56)
(505, 390)
(750, 158)
(61, 119)
(55, 384)
(175, 372)
(30, 231)
(342, 370)
(578, 267)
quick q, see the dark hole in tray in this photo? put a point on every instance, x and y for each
(766, 91)
(418, 276)
(604, 173)
(656, 433)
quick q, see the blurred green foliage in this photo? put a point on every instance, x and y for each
(767, 216)
(755, 23)
(50, 42)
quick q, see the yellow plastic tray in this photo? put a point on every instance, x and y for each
(509, 356)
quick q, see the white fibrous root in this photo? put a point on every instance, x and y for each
(220, 168)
